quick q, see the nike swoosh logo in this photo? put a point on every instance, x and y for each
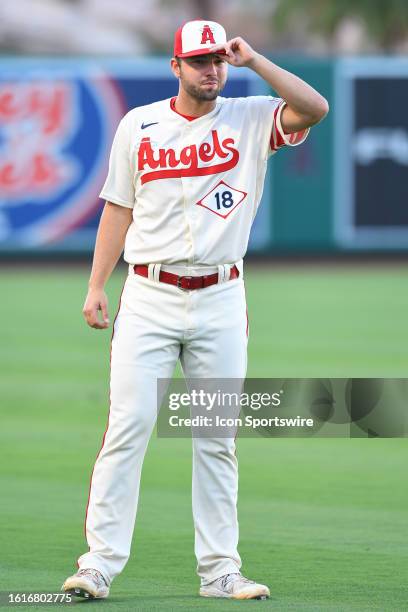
(146, 125)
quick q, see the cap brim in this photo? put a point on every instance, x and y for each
(202, 52)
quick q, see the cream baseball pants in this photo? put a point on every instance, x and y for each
(156, 325)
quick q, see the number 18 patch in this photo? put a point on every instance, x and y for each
(222, 199)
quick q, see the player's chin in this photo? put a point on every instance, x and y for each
(209, 94)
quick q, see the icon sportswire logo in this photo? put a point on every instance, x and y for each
(166, 163)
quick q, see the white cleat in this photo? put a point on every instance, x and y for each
(235, 586)
(87, 583)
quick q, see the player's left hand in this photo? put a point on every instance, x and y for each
(238, 52)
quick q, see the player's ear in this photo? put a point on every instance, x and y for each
(175, 67)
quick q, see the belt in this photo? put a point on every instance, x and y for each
(187, 283)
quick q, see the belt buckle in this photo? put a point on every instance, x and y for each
(179, 280)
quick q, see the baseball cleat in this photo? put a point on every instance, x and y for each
(87, 583)
(235, 586)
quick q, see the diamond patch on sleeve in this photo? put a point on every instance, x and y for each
(222, 199)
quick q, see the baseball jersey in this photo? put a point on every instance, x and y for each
(194, 185)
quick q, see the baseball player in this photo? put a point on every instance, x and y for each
(185, 179)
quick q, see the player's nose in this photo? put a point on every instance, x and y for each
(211, 68)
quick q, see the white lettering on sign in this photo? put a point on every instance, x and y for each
(371, 144)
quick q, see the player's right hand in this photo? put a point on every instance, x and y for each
(96, 302)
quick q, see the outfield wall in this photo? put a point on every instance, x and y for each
(343, 190)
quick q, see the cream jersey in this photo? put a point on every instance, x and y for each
(194, 186)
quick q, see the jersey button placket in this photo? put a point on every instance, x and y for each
(187, 188)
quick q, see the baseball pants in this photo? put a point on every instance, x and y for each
(156, 325)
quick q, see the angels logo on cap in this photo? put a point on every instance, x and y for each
(195, 37)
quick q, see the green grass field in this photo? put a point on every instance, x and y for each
(323, 522)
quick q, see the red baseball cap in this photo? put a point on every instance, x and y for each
(195, 37)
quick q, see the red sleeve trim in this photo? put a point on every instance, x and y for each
(279, 138)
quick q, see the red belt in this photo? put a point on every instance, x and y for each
(186, 282)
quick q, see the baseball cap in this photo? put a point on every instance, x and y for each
(194, 38)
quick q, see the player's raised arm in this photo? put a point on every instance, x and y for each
(114, 223)
(304, 105)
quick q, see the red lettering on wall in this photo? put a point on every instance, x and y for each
(38, 173)
(47, 105)
(36, 118)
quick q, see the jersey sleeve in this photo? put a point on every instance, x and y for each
(279, 138)
(119, 187)
(266, 121)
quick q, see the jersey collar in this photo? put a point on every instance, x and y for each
(194, 120)
(173, 108)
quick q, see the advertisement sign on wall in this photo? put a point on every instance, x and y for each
(57, 122)
(371, 160)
